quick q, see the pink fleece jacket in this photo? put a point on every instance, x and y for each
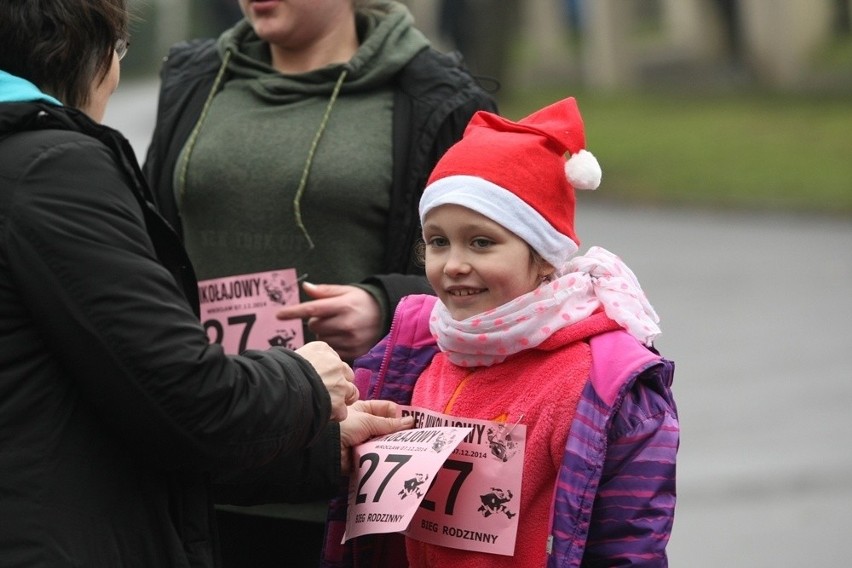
(539, 388)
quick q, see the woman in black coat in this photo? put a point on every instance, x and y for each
(118, 419)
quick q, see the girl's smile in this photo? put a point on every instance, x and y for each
(464, 291)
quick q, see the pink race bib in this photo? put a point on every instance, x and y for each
(238, 312)
(439, 486)
(392, 475)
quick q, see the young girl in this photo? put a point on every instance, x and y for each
(522, 333)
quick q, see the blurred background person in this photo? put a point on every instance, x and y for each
(484, 32)
(302, 138)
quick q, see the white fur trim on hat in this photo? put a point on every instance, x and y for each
(583, 170)
(503, 207)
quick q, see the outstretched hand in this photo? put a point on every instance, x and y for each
(346, 317)
(368, 419)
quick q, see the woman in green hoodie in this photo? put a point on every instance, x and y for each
(302, 138)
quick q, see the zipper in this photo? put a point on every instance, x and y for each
(393, 332)
(457, 393)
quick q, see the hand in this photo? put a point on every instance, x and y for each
(346, 317)
(367, 419)
(336, 375)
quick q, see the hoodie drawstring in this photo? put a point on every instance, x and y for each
(303, 182)
(297, 200)
(193, 136)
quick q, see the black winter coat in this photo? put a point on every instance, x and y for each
(434, 99)
(116, 413)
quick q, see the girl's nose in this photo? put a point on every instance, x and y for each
(456, 264)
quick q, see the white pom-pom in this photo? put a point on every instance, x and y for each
(583, 170)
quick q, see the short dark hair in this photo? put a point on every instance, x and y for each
(61, 46)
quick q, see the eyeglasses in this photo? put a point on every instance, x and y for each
(121, 47)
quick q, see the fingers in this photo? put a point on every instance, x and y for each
(316, 308)
(348, 395)
(353, 323)
(346, 317)
(318, 291)
(382, 408)
(336, 375)
(304, 310)
(340, 407)
(359, 426)
(368, 419)
(320, 308)
(339, 413)
(353, 395)
(381, 426)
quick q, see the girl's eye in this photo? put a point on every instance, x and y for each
(437, 242)
(482, 242)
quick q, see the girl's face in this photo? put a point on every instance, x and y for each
(474, 264)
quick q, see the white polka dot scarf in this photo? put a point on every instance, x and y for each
(598, 278)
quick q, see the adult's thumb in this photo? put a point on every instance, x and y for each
(382, 426)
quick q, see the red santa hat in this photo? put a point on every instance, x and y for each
(517, 175)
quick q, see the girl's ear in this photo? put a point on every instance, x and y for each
(546, 271)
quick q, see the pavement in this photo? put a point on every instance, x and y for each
(755, 311)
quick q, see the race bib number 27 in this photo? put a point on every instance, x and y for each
(238, 312)
(450, 481)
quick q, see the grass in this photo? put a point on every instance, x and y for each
(743, 151)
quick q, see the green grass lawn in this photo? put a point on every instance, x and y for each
(770, 152)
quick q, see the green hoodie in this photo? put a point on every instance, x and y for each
(252, 149)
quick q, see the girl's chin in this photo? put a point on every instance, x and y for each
(462, 313)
